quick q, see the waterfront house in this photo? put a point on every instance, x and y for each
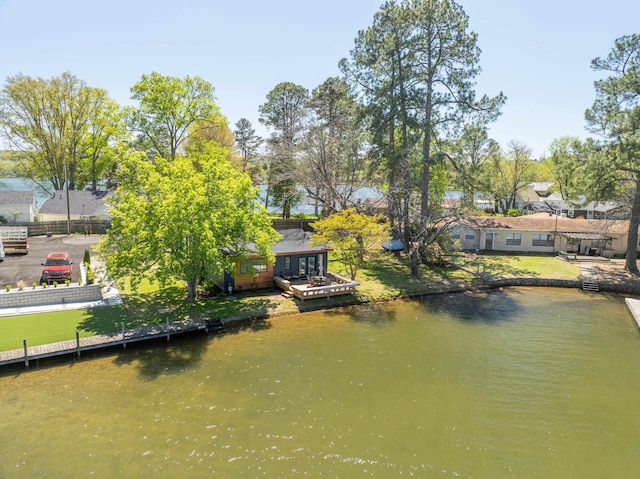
(542, 233)
(295, 259)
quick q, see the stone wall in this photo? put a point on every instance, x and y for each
(63, 294)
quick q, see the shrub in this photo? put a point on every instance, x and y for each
(87, 257)
(514, 212)
(34, 284)
(91, 276)
(79, 281)
(55, 284)
(67, 282)
(44, 284)
(8, 287)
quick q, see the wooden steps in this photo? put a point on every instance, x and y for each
(589, 282)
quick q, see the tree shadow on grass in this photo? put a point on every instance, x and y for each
(394, 275)
(494, 266)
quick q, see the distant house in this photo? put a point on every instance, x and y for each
(295, 258)
(83, 205)
(539, 197)
(542, 233)
(375, 206)
(17, 206)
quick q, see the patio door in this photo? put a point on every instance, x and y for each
(302, 267)
(311, 264)
(488, 241)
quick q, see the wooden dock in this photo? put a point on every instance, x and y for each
(79, 345)
(634, 307)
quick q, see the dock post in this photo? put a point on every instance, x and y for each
(77, 344)
(26, 355)
(124, 338)
(167, 325)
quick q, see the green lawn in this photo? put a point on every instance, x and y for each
(511, 266)
(387, 278)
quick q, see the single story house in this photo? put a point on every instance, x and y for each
(83, 205)
(17, 206)
(295, 258)
(542, 233)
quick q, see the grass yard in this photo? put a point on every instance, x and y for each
(387, 278)
(510, 266)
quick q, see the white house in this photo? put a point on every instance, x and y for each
(542, 233)
(17, 206)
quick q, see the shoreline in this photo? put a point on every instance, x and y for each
(630, 286)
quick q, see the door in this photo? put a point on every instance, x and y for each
(311, 264)
(302, 267)
(488, 241)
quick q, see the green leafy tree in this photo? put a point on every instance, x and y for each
(354, 237)
(615, 115)
(247, 141)
(192, 232)
(284, 113)
(417, 64)
(170, 110)
(505, 175)
(51, 123)
(334, 163)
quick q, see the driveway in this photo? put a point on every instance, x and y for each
(28, 267)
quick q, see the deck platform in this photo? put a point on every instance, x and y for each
(634, 308)
(79, 345)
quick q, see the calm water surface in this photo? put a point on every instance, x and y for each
(518, 384)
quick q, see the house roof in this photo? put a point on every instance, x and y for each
(81, 203)
(295, 241)
(17, 198)
(546, 222)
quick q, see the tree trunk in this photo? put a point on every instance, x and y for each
(191, 289)
(631, 263)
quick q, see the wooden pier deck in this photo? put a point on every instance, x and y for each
(634, 308)
(79, 345)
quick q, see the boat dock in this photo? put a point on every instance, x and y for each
(121, 339)
(634, 307)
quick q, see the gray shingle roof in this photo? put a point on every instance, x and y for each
(17, 198)
(295, 241)
(81, 202)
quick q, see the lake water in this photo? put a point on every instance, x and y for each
(24, 184)
(536, 383)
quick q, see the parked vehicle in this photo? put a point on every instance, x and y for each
(57, 267)
(15, 239)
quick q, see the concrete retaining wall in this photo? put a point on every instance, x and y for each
(63, 294)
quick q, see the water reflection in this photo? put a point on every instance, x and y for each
(430, 388)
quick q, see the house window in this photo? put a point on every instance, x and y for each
(287, 263)
(253, 266)
(514, 238)
(470, 235)
(456, 234)
(542, 240)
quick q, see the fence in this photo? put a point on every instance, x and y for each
(43, 228)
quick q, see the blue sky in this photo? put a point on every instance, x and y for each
(537, 53)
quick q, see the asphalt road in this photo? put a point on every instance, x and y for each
(28, 267)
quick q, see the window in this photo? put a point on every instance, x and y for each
(470, 235)
(542, 240)
(253, 266)
(456, 234)
(287, 263)
(514, 238)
